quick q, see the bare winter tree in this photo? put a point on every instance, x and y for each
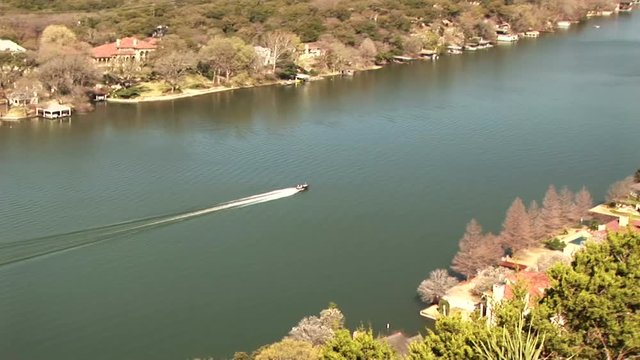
(619, 190)
(584, 202)
(489, 277)
(536, 221)
(551, 213)
(569, 211)
(318, 330)
(435, 286)
(312, 330)
(281, 43)
(547, 261)
(517, 232)
(476, 251)
(173, 66)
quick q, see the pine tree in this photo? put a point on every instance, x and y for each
(584, 202)
(517, 232)
(551, 212)
(569, 212)
(537, 228)
(472, 255)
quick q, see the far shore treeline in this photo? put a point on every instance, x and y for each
(209, 44)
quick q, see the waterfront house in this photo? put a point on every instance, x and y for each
(54, 111)
(10, 46)
(503, 33)
(129, 48)
(625, 6)
(564, 24)
(534, 285)
(428, 54)
(312, 50)
(23, 98)
(401, 59)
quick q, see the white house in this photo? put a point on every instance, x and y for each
(10, 46)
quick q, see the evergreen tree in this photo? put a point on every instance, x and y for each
(517, 232)
(584, 202)
(551, 218)
(361, 346)
(569, 211)
(476, 251)
(596, 299)
(535, 220)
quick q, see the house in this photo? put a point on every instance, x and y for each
(263, 55)
(534, 283)
(23, 98)
(621, 223)
(625, 6)
(54, 111)
(313, 50)
(400, 342)
(10, 46)
(129, 48)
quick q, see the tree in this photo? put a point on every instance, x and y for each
(517, 232)
(318, 330)
(546, 261)
(569, 211)
(361, 346)
(12, 67)
(597, 298)
(227, 56)
(57, 41)
(583, 203)
(65, 73)
(489, 277)
(535, 220)
(173, 66)
(433, 288)
(452, 339)
(368, 50)
(636, 176)
(476, 251)
(281, 43)
(551, 213)
(288, 349)
(620, 190)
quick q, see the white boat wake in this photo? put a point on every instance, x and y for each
(15, 251)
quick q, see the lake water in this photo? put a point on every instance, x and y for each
(399, 161)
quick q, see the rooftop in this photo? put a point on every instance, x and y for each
(124, 46)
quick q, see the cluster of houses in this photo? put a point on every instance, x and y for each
(460, 299)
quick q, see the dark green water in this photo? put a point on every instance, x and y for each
(399, 160)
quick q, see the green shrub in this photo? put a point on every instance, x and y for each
(555, 244)
(129, 93)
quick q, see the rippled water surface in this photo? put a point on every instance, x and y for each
(399, 160)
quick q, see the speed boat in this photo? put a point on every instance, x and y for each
(302, 187)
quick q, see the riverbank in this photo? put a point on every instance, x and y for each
(187, 93)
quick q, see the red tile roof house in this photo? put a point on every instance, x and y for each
(535, 283)
(125, 48)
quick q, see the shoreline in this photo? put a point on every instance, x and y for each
(193, 93)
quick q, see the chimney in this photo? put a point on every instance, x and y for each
(623, 221)
(117, 43)
(135, 42)
(498, 292)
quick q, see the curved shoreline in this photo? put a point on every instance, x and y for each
(192, 93)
